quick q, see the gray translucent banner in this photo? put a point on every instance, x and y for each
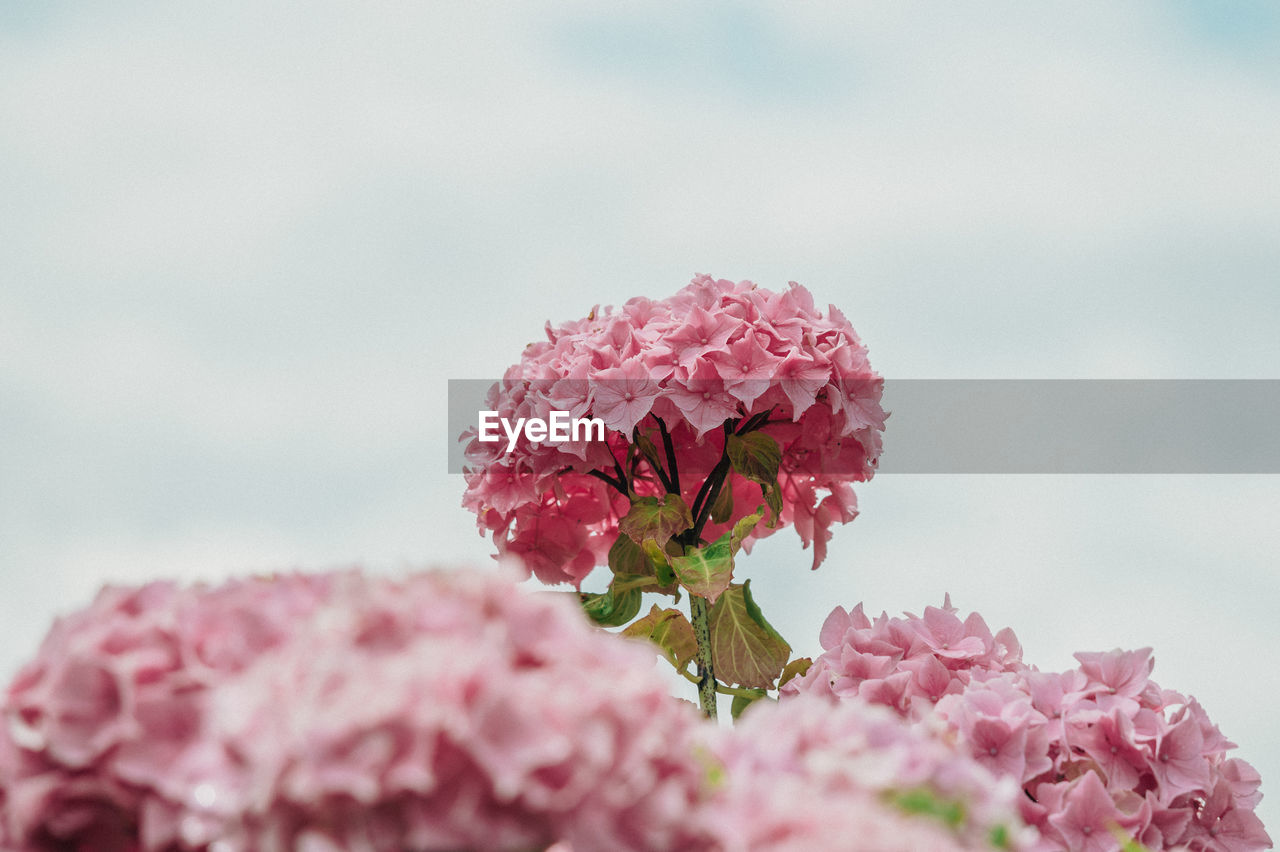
(1047, 425)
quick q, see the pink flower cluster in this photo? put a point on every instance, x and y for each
(808, 775)
(338, 712)
(447, 710)
(1098, 748)
(716, 351)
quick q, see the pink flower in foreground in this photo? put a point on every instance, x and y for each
(809, 775)
(336, 712)
(715, 352)
(443, 711)
(1098, 749)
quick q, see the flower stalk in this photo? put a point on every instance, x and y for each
(706, 669)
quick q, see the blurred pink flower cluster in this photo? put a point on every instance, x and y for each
(444, 711)
(714, 352)
(1098, 748)
(808, 775)
(339, 712)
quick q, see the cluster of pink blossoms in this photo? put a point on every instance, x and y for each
(1097, 749)
(445, 711)
(808, 775)
(339, 712)
(714, 352)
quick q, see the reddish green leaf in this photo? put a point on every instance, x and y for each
(743, 528)
(648, 450)
(773, 497)
(661, 562)
(706, 571)
(756, 456)
(634, 568)
(796, 668)
(659, 520)
(671, 631)
(722, 509)
(746, 649)
(627, 559)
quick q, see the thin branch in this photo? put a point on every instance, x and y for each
(623, 484)
(708, 482)
(666, 483)
(655, 464)
(600, 474)
(703, 514)
(673, 478)
(755, 422)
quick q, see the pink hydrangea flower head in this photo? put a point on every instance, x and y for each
(716, 352)
(342, 711)
(1097, 750)
(810, 775)
(919, 660)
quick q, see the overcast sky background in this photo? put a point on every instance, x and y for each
(244, 246)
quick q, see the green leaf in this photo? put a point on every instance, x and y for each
(648, 450)
(746, 649)
(722, 509)
(659, 520)
(755, 455)
(661, 562)
(706, 571)
(796, 668)
(742, 702)
(773, 497)
(671, 631)
(627, 559)
(743, 528)
(925, 802)
(633, 568)
(613, 607)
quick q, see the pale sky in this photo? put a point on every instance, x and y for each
(245, 245)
